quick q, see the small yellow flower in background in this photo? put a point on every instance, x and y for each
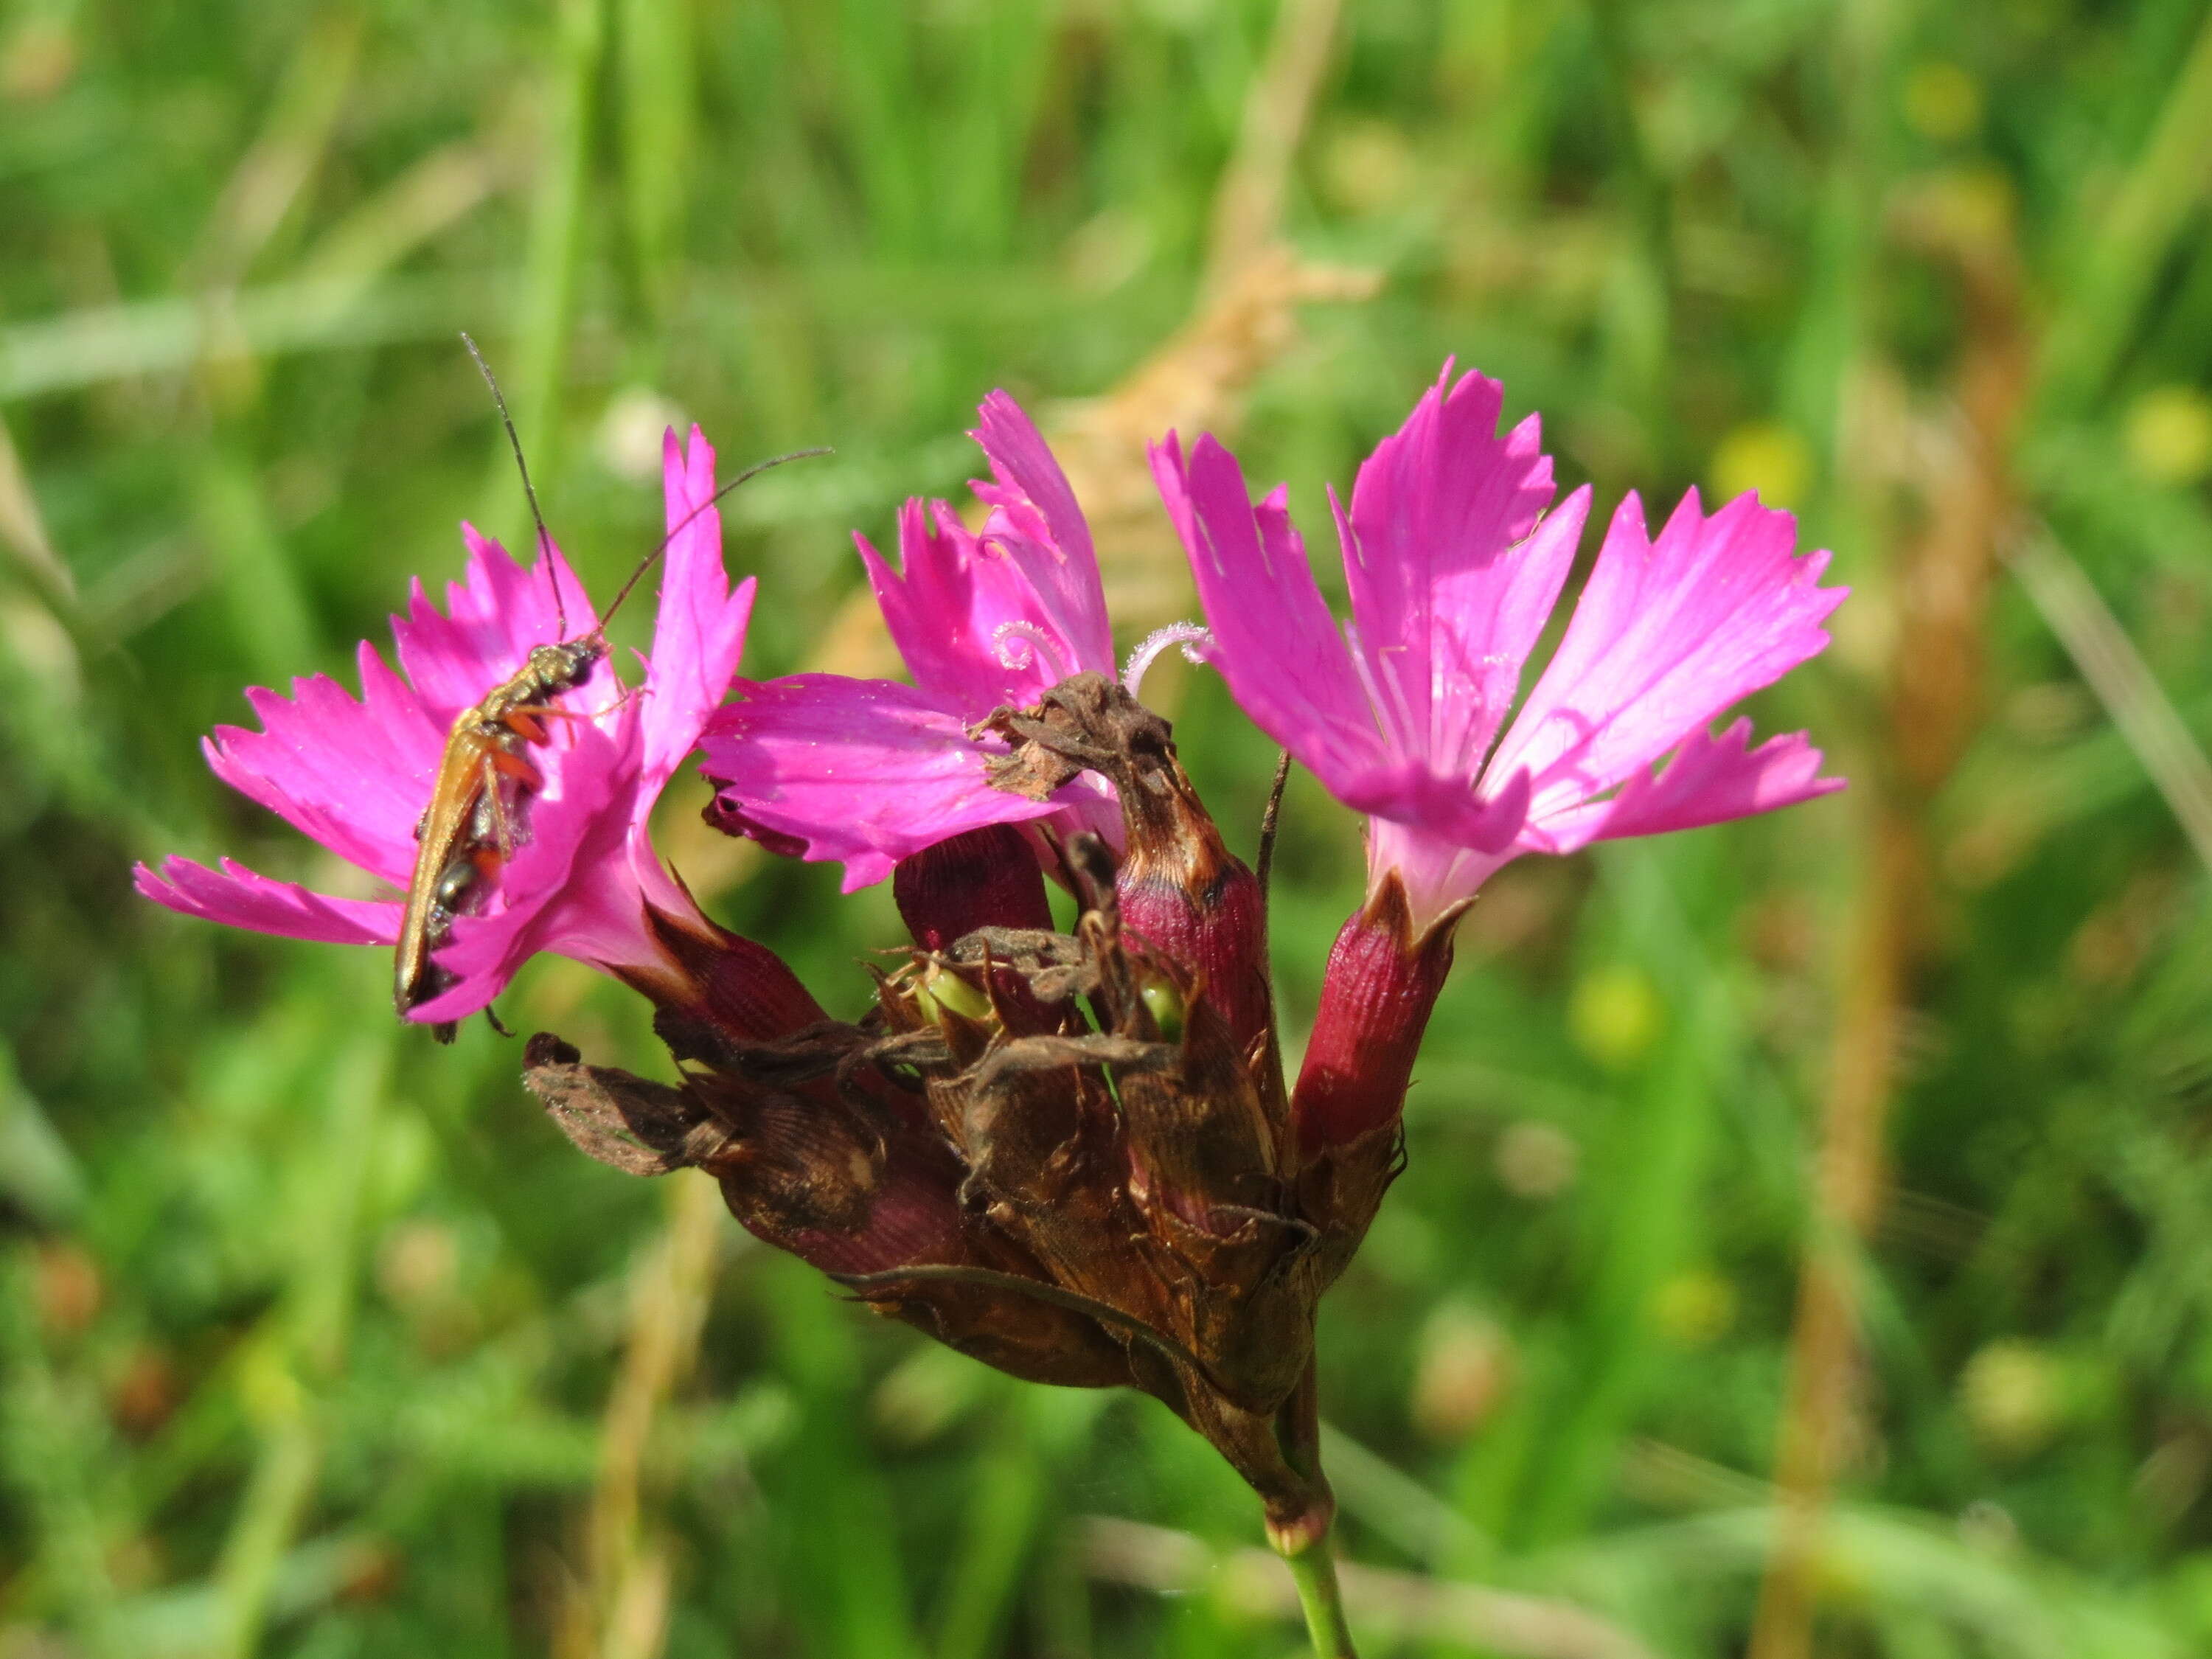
(1464, 1372)
(1695, 1308)
(417, 1264)
(1370, 166)
(38, 60)
(1614, 1015)
(1942, 102)
(1765, 456)
(267, 1389)
(1536, 1161)
(2013, 1396)
(925, 1395)
(1971, 207)
(2169, 435)
(629, 436)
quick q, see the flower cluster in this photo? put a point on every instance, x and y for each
(1076, 1155)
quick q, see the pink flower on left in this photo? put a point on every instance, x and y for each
(355, 774)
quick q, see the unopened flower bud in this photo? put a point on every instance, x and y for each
(1164, 1003)
(986, 878)
(941, 989)
(1204, 914)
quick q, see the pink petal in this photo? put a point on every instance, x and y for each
(1274, 640)
(1447, 606)
(964, 617)
(1276, 644)
(863, 772)
(1667, 635)
(1437, 870)
(699, 631)
(354, 775)
(496, 615)
(571, 887)
(238, 897)
(1446, 807)
(1710, 781)
(357, 775)
(1035, 518)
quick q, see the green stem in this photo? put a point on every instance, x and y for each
(1302, 1539)
(1313, 1570)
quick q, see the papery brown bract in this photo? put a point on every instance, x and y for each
(802, 1173)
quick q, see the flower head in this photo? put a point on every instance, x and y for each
(1455, 558)
(869, 772)
(355, 774)
(1454, 564)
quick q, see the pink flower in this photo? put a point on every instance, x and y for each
(1454, 567)
(357, 774)
(870, 772)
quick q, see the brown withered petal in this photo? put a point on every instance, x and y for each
(1070, 1155)
(625, 1121)
(818, 1182)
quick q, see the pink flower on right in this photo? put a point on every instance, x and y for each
(1454, 566)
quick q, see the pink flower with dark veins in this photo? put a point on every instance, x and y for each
(1454, 565)
(583, 880)
(870, 772)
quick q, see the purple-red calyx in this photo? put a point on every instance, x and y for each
(1073, 1155)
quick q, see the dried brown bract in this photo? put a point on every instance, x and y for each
(1069, 1155)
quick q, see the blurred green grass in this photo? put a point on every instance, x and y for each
(309, 1328)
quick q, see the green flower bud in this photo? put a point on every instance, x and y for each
(941, 989)
(1165, 1004)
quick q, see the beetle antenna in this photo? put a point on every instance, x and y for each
(684, 523)
(514, 443)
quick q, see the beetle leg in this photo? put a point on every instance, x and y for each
(548, 711)
(502, 830)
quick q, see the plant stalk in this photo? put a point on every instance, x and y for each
(1303, 1543)
(1313, 1570)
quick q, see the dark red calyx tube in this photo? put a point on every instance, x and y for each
(1205, 916)
(1375, 1000)
(740, 986)
(1183, 897)
(986, 878)
(1183, 894)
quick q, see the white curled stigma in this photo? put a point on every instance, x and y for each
(1018, 643)
(1194, 641)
